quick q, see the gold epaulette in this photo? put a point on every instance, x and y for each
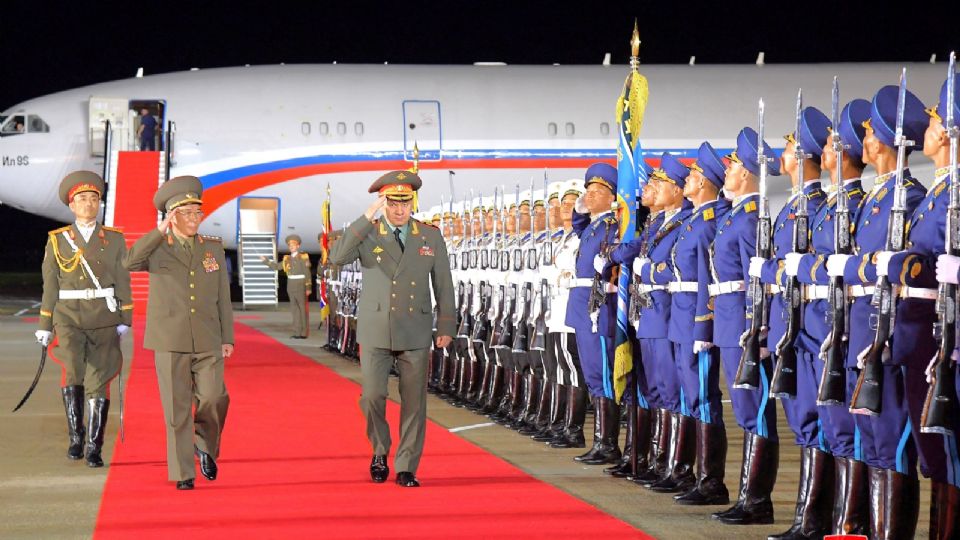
(305, 256)
(126, 307)
(610, 219)
(112, 229)
(60, 230)
(212, 238)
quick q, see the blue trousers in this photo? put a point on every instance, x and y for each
(596, 359)
(885, 439)
(803, 415)
(699, 376)
(661, 394)
(754, 410)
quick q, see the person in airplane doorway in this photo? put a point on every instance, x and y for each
(297, 267)
(401, 258)
(87, 304)
(189, 327)
(147, 131)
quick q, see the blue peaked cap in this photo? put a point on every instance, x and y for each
(883, 117)
(852, 117)
(941, 108)
(746, 153)
(710, 165)
(602, 173)
(814, 129)
(672, 170)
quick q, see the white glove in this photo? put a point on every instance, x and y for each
(836, 264)
(599, 263)
(862, 357)
(638, 265)
(43, 337)
(564, 282)
(947, 267)
(791, 263)
(610, 288)
(580, 207)
(756, 266)
(122, 329)
(883, 262)
(699, 346)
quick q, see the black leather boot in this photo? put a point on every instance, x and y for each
(535, 416)
(483, 387)
(550, 408)
(622, 467)
(711, 460)
(609, 451)
(812, 518)
(576, 413)
(642, 431)
(512, 399)
(73, 404)
(659, 450)
(518, 417)
(96, 428)
(502, 409)
(878, 501)
(944, 511)
(474, 382)
(597, 440)
(901, 507)
(495, 393)
(683, 447)
(851, 504)
(761, 475)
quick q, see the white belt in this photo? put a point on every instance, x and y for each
(922, 294)
(581, 282)
(297, 276)
(644, 288)
(683, 286)
(727, 287)
(860, 290)
(816, 292)
(90, 294)
(774, 289)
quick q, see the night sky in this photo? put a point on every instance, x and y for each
(46, 47)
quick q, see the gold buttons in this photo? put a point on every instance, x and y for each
(393, 295)
(393, 308)
(192, 286)
(192, 297)
(413, 283)
(411, 297)
(192, 272)
(394, 282)
(193, 310)
(411, 310)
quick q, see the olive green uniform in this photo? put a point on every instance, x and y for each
(88, 347)
(395, 318)
(297, 269)
(189, 318)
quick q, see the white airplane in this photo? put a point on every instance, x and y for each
(281, 134)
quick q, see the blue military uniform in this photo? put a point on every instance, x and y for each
(734, 245)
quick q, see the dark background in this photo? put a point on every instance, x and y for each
(46, 47)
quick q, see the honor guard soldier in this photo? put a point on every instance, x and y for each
(885, 439)
(825, 428)
(402, 259)
(914, 271)
(296, 266)
(654, 271)
(732, 248)
(591, 308)
(815, 498)
(189, 327)
(88, 305)
(691, 326)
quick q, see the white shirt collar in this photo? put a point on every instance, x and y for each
(86, 231)
(741, 198)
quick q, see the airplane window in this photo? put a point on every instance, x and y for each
(358, 129)
(604, 128)
(14, 126)
(37, 125)
(569, 129)
(341, 128)
(323, 128)
(552, 129)
(305, 128)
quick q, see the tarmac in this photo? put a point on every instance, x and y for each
(44, 495)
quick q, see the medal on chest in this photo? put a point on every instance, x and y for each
(210, 263)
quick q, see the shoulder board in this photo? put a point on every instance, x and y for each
(426, 224)
(750, 206)
(60, 230)
(286, 258)
(212, 238)
(610, 219)
(304, 256)
(112, 229)
(939, 189)
(708, 214)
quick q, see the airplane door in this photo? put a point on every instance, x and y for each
(421, 126)
(102, 109)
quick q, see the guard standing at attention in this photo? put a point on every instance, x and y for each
(87, 304)
(296, 266)
(189, 327)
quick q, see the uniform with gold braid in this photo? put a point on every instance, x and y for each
(299, 275)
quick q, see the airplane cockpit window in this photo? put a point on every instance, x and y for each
(37, 125)
(14, 125)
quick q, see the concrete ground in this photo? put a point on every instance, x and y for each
(46, 496)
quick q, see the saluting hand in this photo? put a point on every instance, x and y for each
(374, 208)
(165, 224)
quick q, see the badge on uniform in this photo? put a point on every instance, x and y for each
(708, 214)
(210, 263)
(426, 251)
(377, 249)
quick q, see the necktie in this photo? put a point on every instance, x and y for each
(396, 232)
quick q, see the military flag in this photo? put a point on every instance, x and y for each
(324, 253)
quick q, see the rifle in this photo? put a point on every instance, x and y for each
(538, 341)
(499, 262)
(758, 306)
(481, 321)
(941, 404)
(511, 291)
(783, 383)
(867, 398)
(521, 336)
(833, 381)
(468, 261)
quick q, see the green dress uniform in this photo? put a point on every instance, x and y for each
(189, 318)
(86, 295)
(297, 268)
(395, 318)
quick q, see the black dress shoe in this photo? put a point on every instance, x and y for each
(407, 479)
(185, 484)
(208, 467)
(379, 470)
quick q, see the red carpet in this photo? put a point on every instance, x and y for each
(294, 465)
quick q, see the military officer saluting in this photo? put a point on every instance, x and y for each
(189, 327)
(87, 304)
(401, 259)
(296, 266)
